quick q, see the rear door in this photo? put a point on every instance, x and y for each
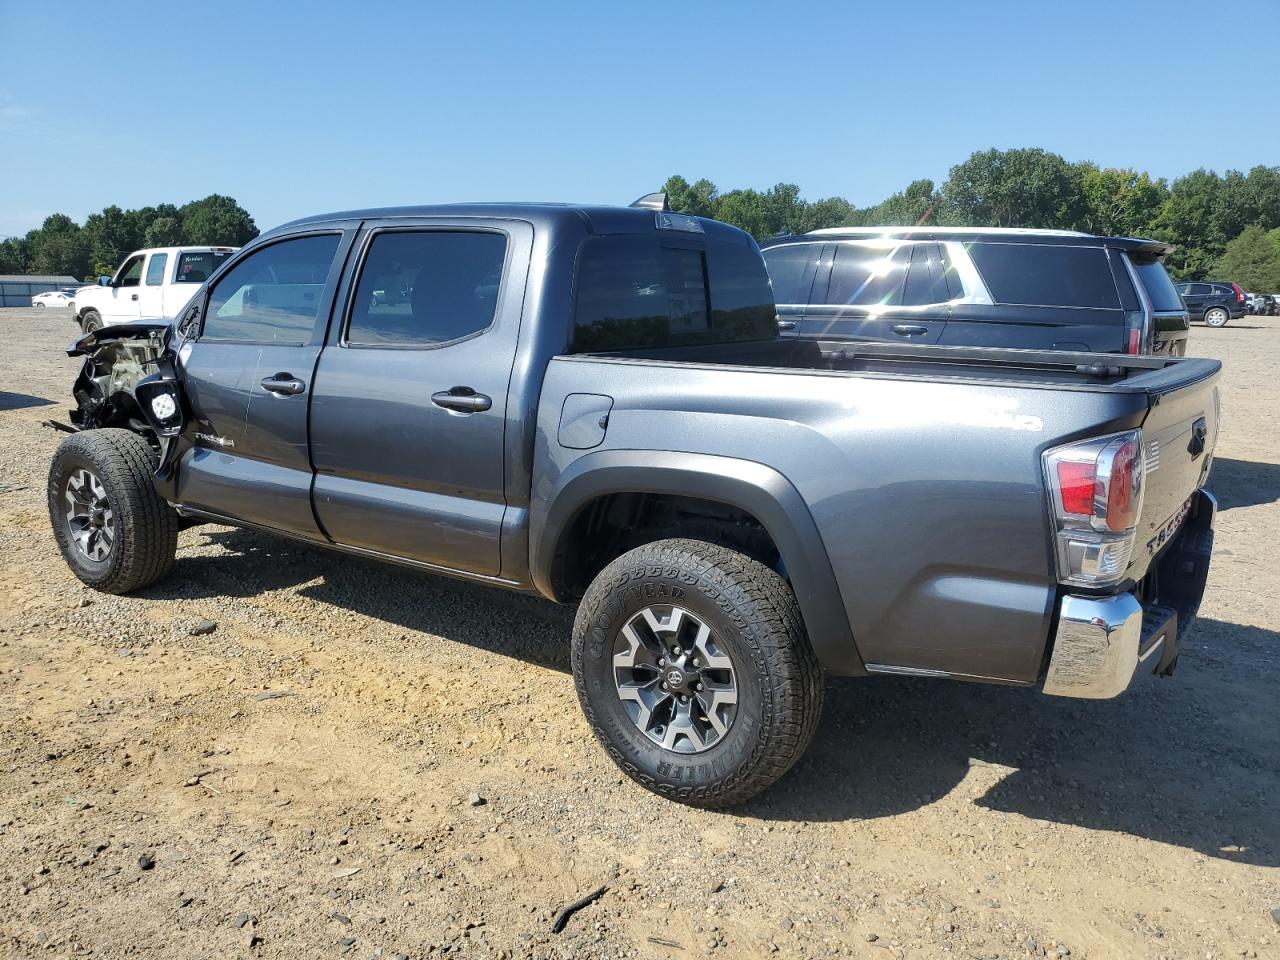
(792, 269)
(864, 297)
(410, 407)
(1196, 296)
(249, 377)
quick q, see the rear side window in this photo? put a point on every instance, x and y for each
(791, 268)
(868, 274)
(645, 292)
(428, 287)
(1160, 289)
(273, 295)
(1050, 275)
(198, 267)
(155, 269)
(927, 279)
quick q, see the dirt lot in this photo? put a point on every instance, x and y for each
(427, 785)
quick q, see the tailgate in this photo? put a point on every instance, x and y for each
(1178, 438)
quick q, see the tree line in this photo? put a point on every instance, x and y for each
(62, 247)
(1224, 227)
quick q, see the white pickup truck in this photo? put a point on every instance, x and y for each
(150, 285)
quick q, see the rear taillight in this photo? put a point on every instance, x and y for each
(1095, 493)
(1135, 340)
(1239, 292)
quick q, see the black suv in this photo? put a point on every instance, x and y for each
(988, 287)
(1214, 303)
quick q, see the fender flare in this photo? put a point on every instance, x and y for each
(743, 484)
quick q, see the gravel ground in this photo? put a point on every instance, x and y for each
(362, 761)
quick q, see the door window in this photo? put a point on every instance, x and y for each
(130, 273)
(1197, 290)
(423, 288)
(155, 269)
(926, 280)
(791, 268)
(274, 294)
(869, 274)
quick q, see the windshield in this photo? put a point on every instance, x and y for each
(197, 267)
(1160, 289)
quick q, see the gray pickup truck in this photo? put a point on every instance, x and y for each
(593, 405)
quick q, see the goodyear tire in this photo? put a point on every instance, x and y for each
(114, 531)
(694, 670)
(91, 321)
(1216, 317)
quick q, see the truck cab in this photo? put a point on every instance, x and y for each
(153, 284)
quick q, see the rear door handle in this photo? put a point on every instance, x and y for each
(461, 399)
(908, 329)
(284, 384)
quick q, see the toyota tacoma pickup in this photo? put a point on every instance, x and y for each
(593, 405)
(151, 284)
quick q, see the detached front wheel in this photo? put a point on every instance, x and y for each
(114, 531)
(694, 670)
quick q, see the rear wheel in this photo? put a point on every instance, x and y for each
(1216, 317)
(91, 321)
(694, 670)
(114, 531)
(38, 306)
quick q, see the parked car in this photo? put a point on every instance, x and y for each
(1214, 303)
(149, 285)
(1038, 289)
(53, 298)
(1257, 304)
(593, 405)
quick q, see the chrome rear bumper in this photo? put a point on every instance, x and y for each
(1102, 643)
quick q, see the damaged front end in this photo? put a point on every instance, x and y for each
(129, 380)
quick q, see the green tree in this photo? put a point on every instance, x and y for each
(698, 199)
(110, 239)
(217, 220)
(1012, 188)
(1186, 220)
(1119, 202)
(15, 255)
(163, 232)
(1252, 260)
(914, 206)
(59, 248)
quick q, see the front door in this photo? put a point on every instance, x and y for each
(248, 378)
(151, 292)
(409, 413)
(124, 291)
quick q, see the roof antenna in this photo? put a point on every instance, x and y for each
(653, 201)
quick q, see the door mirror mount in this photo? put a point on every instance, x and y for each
(104, 281)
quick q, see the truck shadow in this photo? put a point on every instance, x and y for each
(1244, 483)
(509, 624)
(1192, 760)
(20, 401)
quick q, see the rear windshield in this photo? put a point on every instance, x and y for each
(1050, 275)
(1160, 289)
(654, 292)
(197, 267)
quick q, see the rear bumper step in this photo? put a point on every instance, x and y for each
(1102, 643)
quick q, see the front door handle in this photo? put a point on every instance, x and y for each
(461, 399)
(134, 297)
(908, 329)
(786, 324)
(283, 384)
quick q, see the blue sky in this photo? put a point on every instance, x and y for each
(304, 108)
